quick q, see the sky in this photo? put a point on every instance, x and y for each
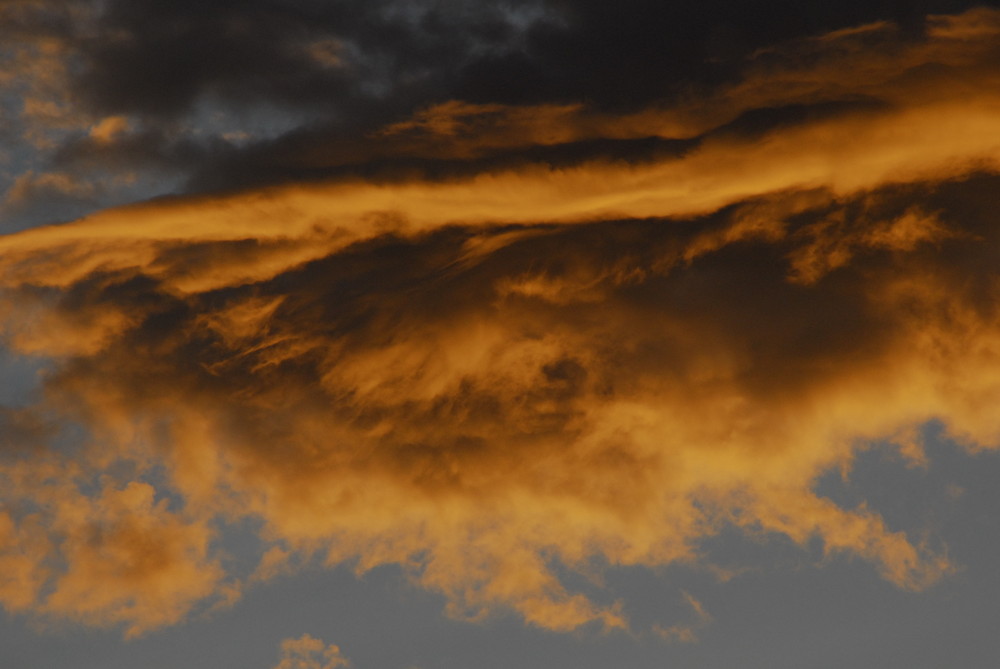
(416, 334)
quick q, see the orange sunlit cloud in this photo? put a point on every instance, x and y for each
(495, 378)
(308, 652)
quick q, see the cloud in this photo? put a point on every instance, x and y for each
(308, 652)
(108, 128)
(110, 556)
(31, 187)
(686, 633)
(209, 102)
(39, 37)
(193, 85)
(513, 372)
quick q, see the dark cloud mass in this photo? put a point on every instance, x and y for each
(301, 86)
(498, 292)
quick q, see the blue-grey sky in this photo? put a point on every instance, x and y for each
(530, 334)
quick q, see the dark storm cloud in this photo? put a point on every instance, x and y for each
(666, 48)
(199, 80)
(230, 94)
(158, 58)
(571, 115)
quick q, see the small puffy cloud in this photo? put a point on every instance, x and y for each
(308, 652)
(107, 129)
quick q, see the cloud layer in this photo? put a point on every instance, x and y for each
(555, 337)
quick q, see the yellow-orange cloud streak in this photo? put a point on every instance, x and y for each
(845, 156)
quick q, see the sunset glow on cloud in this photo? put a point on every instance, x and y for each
(554, 339)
